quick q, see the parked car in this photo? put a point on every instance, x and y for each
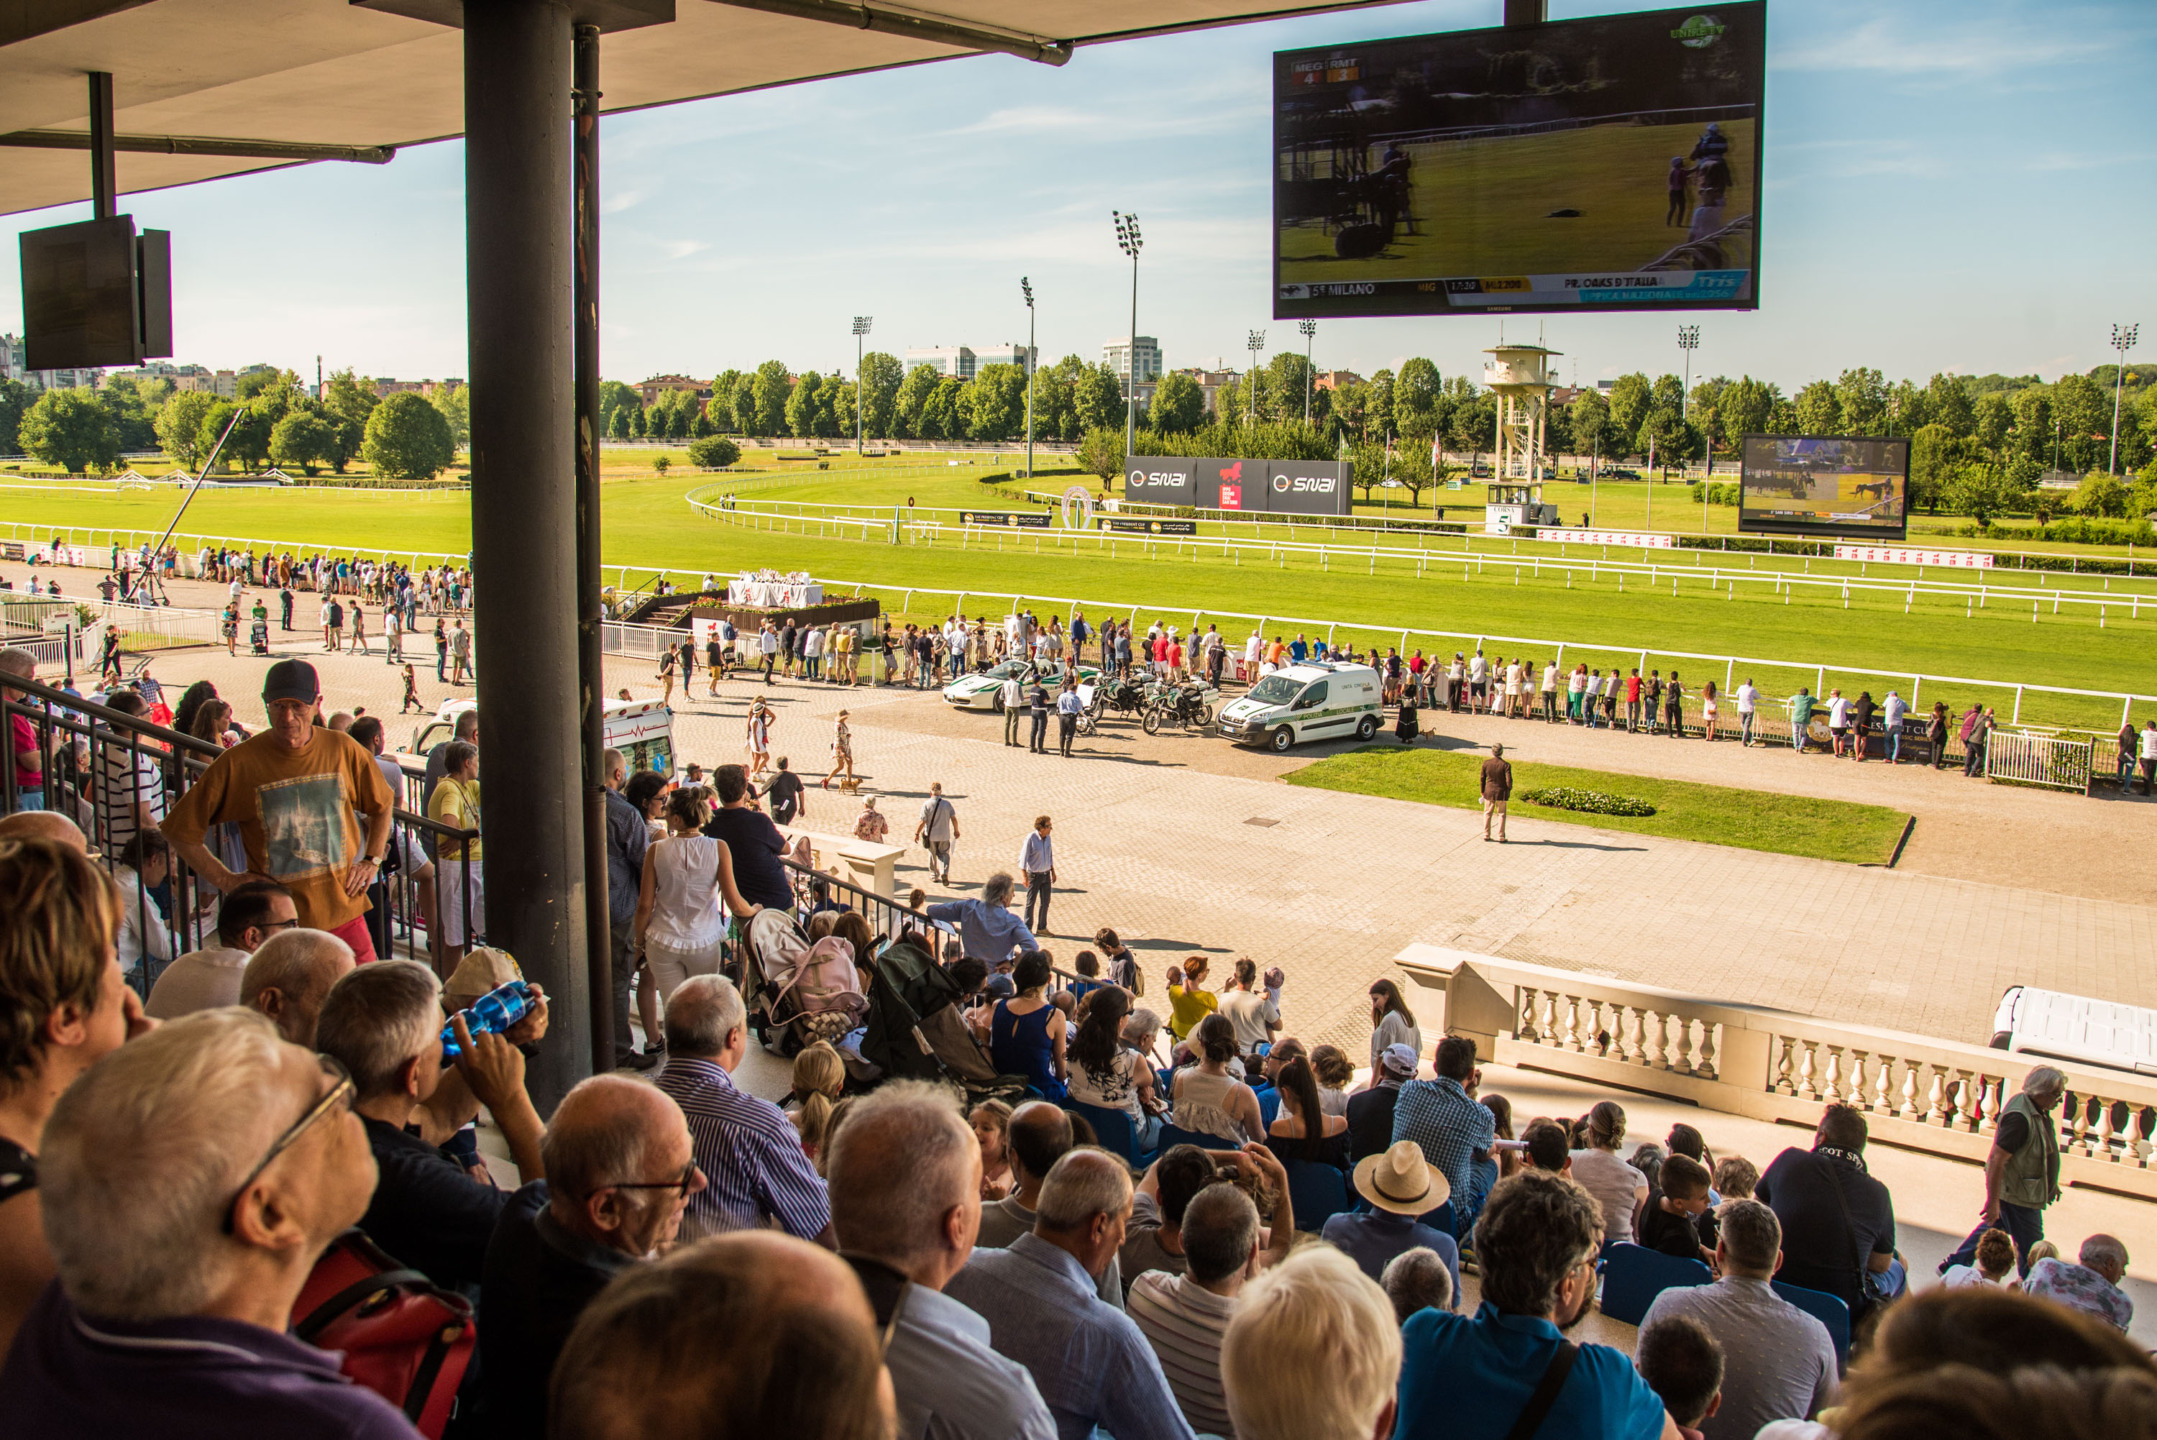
(985, 690)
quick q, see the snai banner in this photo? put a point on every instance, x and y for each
(1280, 487)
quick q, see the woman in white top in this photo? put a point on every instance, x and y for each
(680, 925)
(1392, 1023)
(1107, 1073)
(1619, 1187)
(1208, 1099)
(1995, 1265)
(145, 864)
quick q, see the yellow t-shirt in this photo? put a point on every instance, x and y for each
(456, 803)
(1187, 1008)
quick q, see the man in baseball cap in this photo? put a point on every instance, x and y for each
(1370, 1112)
(1402, 1189)
(296, 791)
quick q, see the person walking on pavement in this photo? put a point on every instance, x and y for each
(937, 832)
(842, 753)
(1497, 790)
(759, 729)
(1067, 716)
(284, 607)
(666, 673)
(1011, 697)
(460, 653)
(767, 644)
(441, 652)
(1038, 703)
(1037, 862)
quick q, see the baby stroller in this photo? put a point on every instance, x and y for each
(797, 993)
(258, 637)
(915, 1030)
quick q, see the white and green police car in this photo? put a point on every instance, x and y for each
(985, 690)
(1313, 700)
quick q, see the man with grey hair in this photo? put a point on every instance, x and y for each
(191, 1180)
(383, 1023)
(1184, 1317)
(1091, 1364)
(1314, 1353)
(905, 1175)
(1038, 1135)
(290, 975)
(2093, 1287)
(988, 927)
(1779, 1363)
(2022, 1169)
(620, 1169)
(749, 1151)
(1415, 1280)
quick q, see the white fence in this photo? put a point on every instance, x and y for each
(2049, 760)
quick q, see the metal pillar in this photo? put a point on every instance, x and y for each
(517, 81)
(104, 174)
(591, 673)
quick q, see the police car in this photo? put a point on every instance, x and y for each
(1311, 700)
(985, 690)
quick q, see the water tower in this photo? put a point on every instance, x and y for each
(1521, 376)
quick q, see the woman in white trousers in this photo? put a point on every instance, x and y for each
(686, 895)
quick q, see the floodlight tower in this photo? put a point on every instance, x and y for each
(2123, 340)
(1254, 344)
(1309, 329)
(1688, 341)
(1522, 377)
(1026, 288)
(1127, 240)
(861, 328)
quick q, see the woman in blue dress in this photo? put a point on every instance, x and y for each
(1027, 1034)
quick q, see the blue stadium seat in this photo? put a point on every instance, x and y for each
(1113, 1127)
(1634, 1275)
(1172, 1136)
(1317, 1191)
(1829, 1310)
(1269, 1102)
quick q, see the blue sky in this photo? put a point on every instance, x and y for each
(1949, 184)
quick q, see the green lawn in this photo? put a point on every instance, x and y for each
(649, 525)
(1711, 814)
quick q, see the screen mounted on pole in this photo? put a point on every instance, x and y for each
(1608, 163)
(1824, 485)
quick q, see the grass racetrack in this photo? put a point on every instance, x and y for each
(648, 526)
(1684, 810)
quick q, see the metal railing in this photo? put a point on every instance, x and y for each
(116, 775)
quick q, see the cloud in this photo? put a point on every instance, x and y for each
(616, 204)
(1962, 48)
(682, 249)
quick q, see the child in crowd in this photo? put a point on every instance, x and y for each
(1995, 1264)
(1088, 966)
(1682, 1364)
(819, 1077)
(1669, 1221)
(992, 1129)
(1329, 1063)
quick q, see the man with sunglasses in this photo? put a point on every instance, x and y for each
(620, 1171)
(383, 1022)
(208, 978)
(191, 1181)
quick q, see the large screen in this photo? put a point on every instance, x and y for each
(1612, 162)
(1824, 485)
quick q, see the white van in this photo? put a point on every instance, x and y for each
(2031, 1021)
(643, 730)
(1314, 700)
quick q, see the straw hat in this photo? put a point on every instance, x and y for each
(1399, 1180)
(481, 970)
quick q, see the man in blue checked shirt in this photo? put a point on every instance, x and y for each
(749, 1151)
(1451, 1126)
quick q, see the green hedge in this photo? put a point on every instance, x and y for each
(1593, 802)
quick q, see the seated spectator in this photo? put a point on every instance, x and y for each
(383, 1023)
(1687, 1140)
(1088, 966)
(739, 1337)
(1683, 1364)
(1443, 1118)
(1184, 1316)
(1027, 1035)
(1107, 1073)
(1400, 1187)
(1207, 1098)
(1617, 1186)
(749, 1153)
(63, 1006)
(1781, 1363)
(619, 1170)
(1302, 1130)
(1039, 1134)
(169, 1318)
(1329, 1063)
(1736, 1178)
(1370, 1110)
(1547, 1148)
(1142, 1032)
(1670, 1221)
(1647, 1158)
(991, 1124)
(1466, 1378)
(1042, 1300)
(1993, 1263)
(289, 977)
(2093, 1287)
(43, 825)
(819, 1081)
(905, 1179)
(1153, 1240)
(1313, 1353)
(209, 978)
(144, 864)
(1253, 1013)
(1834, 1215)
(1417, 1279)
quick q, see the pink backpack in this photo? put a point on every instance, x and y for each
(822, 1000)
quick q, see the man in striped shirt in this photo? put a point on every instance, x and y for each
(749, 1152)
(1185, 1316)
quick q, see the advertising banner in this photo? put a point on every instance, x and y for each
(1885, 555)
(1123, 526)
(1280, 487)
(1159, 480)
(1640, 538)
(1035, 520)
(1306, 487)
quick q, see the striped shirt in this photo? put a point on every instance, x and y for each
(1184, 1322)
(750, 1154)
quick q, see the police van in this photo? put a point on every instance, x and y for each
(1310, 700)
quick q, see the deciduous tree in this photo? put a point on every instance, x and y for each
(407, 439)
(68, 428)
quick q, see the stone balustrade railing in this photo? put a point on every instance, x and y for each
(1924, 1094)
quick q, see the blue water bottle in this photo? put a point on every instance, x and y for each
(491, 1014)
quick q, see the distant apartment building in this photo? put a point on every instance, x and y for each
(384, 387)
(1018, 355)
(1334, 379)
(1212, 382)
(659, 385)
(957, 361)
(15, 365)
(1118, 355)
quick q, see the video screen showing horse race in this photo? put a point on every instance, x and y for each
(1611, 162)
(1829, 485)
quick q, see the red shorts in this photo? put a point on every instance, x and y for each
(354, 933)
